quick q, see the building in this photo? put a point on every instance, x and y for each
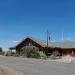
(61, 48)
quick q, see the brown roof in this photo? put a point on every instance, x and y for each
(63, 44)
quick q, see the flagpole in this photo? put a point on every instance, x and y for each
(47, 39)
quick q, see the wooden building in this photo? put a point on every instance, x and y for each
(62, 48)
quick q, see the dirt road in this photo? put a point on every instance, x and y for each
(24, 66)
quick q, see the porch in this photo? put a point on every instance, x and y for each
(60, 51)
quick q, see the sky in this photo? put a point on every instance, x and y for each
(21, 18)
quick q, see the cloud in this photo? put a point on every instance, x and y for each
(7, 43)
(16, 41)
(13, 43)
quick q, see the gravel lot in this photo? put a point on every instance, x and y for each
(25, 66)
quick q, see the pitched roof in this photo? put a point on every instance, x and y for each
(40, 42)
(63, 44)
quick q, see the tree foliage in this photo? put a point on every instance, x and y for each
(30, 52)
(1, 50)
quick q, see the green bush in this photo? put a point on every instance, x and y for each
(16, 55)
(30, 52)
(42, 55)
(9, 53)
(53, 57)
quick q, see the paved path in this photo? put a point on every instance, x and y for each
(25, 66)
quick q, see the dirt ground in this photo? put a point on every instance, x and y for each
(2, 72)
(7, 71)
(25, 66)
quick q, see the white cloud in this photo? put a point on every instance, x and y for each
(13, 43)
(16, 41)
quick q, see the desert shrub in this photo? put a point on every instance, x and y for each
(35, 54)
(42, 55)
(53, 57)
(16, 55)
(30, 52)
(9, 53)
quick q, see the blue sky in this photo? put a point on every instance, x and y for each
(20, 18)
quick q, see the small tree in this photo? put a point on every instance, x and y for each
(1, 50)
(30, 52)
(9, 53)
